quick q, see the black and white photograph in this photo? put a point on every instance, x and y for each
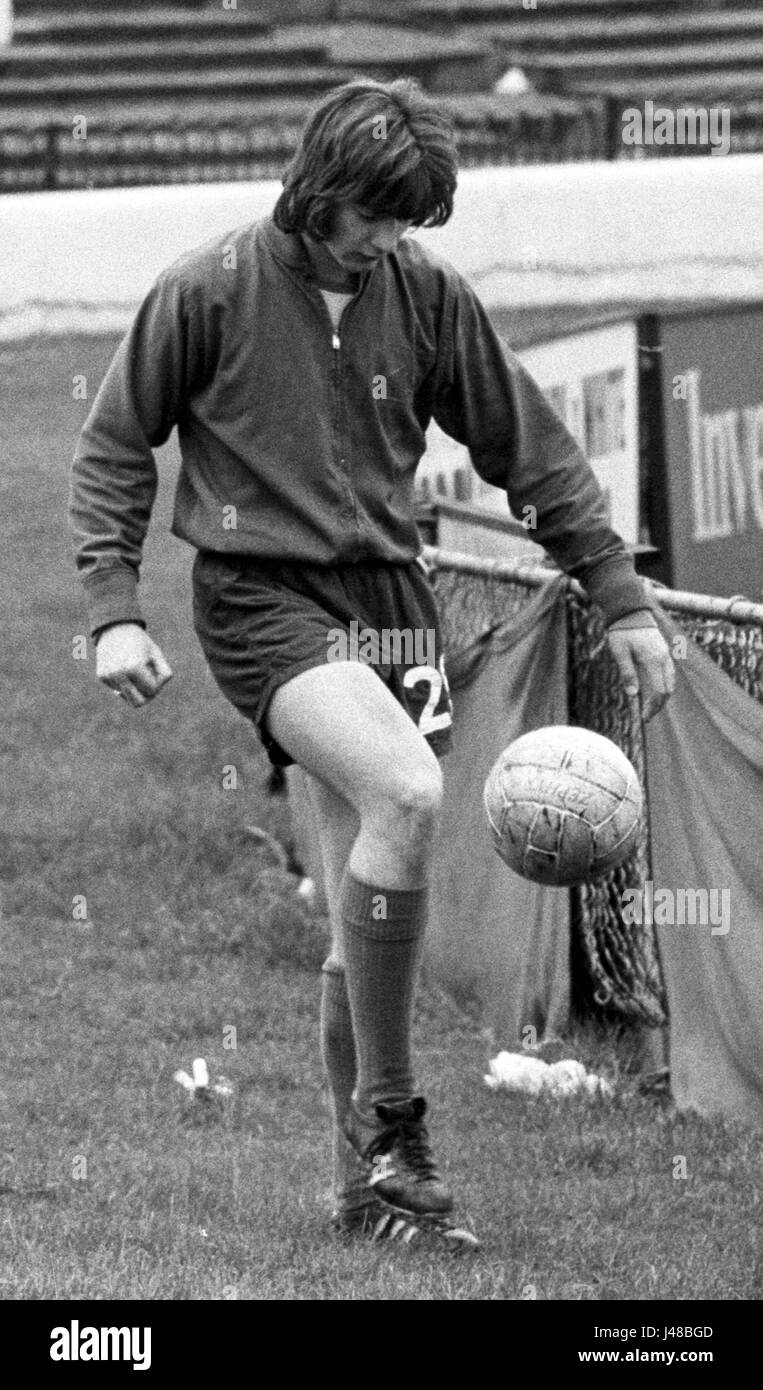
(381, 888)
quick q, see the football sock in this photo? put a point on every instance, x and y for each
(383, 931)
(349, 1183)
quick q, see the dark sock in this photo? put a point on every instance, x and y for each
(383, 931)
(349, 1183)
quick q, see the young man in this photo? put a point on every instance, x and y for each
(301, 359)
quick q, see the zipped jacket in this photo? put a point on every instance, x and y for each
(300, 442)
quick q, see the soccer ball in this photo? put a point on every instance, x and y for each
(563, 805)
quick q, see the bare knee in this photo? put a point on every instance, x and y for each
(419, 796)
(398, 822)
(407, 813)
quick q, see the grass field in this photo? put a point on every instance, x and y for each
(110, 1185)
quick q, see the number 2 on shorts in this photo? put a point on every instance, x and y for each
(429, 722)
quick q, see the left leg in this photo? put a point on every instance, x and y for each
(337, 824)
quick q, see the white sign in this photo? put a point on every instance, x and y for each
(6, 21)
(591, 380)
(726, 452)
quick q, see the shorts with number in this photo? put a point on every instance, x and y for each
(260, 623)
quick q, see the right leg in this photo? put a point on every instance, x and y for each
(341, 724)
(365, 756)
(357, 1210)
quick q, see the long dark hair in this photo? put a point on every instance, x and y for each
(383, 146)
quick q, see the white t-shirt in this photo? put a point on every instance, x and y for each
(335, 301)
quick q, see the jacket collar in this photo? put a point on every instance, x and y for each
(288, 248)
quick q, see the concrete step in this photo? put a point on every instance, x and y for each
(40, 60)
(552, 25)
(45, 7)
(443, 63)
(624, 31)
(704, 88)
(467, 11)
(264, 12)
(656, 59)
(120, 23)
(63, 91)
(383, 51)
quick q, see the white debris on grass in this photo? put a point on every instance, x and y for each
(198, 1085)
(200, 1074)
(515, 1071)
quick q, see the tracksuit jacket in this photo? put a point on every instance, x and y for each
(300, 442)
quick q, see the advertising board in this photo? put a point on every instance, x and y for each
(712, 418)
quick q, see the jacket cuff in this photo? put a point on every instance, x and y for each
(641, 618)
(615, 588)
(112, 597)
(97, 632)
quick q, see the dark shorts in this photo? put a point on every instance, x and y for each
(262, 623)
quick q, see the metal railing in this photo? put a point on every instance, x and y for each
(52, 155)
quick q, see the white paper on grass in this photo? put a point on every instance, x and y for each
(200, 1073)
(199, 1082)
(515, 1071)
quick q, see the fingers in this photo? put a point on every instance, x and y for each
(128, 692)
(657, 676)
(646, 667)
(160, 668)
(130, 663)
(138, 688)
(657, 686)
(139, 683)
(628, 670)
(652, 704)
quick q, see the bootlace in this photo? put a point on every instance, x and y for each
(414, 1142)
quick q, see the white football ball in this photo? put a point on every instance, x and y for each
(563, 805)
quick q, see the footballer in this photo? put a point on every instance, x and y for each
(301, 359)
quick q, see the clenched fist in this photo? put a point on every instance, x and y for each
(130, 663)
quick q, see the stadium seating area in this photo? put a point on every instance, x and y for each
(212, 91)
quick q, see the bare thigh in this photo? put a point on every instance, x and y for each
(342, 725)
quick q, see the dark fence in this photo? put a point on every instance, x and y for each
(242, 146)
(52, 155)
